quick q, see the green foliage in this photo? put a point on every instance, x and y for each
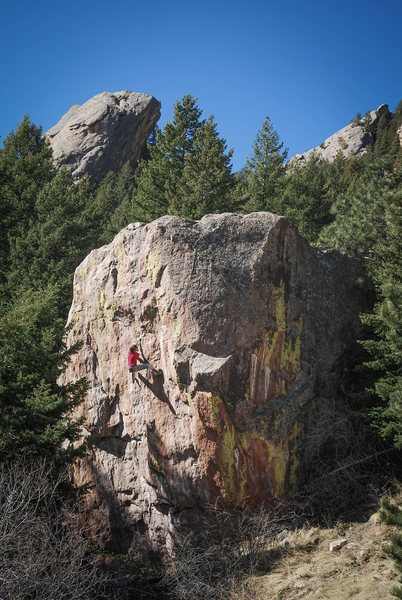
(357, 119)
(57, 241)
(386, 320)
(304, 199)
(25, 167)
(48, 224)
(159, 178)
(359, 213)
(207, 182)
(391, 513)
(265, 170)
(112, 206)
(385, 137)
(34, 408)
(188, 172)
(44, 236)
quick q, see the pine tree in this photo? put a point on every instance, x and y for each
(113, 205)
(159, 177)
(25, 167)
(35, 410)
(385, 137)
(304, 199)
(207, 183)
(44, 237)
(265, 170)
(359, 213)
(386, 320)
(57, 241)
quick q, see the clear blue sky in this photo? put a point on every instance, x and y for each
(308, 64)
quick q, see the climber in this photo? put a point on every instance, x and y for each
(133, 358)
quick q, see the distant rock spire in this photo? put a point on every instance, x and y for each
(103, 134)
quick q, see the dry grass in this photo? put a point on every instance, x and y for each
(307, 569)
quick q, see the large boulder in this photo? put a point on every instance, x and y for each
(103, 134)
(352, 140)
(251, 329)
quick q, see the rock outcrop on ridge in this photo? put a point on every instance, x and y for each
(103, 134)
(352, 140)
(250, 328)
(399, 132)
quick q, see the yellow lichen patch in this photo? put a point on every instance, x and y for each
(283, 461)
(152, 263)
(275, 362)
(118, 250)
(278, 299)
(251, 468)
(85, 268)
(101, 299)
(289, 350)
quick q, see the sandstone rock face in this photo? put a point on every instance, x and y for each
(352, 140)
(103, 134)
(249, 327)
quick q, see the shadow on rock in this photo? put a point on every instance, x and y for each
(157, 388)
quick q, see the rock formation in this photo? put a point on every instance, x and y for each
(250, 328)
(103, 134)
(399, 132)
(352, 140)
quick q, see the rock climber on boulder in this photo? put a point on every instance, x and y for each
(134, 358)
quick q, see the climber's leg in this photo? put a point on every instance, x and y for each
(141, 367)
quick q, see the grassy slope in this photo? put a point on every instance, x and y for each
(307, 569)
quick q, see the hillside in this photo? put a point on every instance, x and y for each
(306, 568)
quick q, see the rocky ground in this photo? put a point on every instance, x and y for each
(307, 568)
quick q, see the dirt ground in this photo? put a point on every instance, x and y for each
(306, 567)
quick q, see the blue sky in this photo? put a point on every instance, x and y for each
(308, 64)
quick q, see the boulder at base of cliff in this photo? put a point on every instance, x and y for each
(251, 329)
(108, 131)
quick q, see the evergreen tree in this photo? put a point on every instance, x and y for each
(57, 241)
(207, 182)
(25, 167)
(385, 136)
(113, 205)
(159, 177)
(43, 237)
(35, 417)
(359, 213)
(304, 199)
(265, 170)
(386, 320)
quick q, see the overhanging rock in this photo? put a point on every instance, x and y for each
(104, 133)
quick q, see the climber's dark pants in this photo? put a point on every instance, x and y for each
(133, 370)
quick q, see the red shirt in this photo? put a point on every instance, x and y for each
(133, 358)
